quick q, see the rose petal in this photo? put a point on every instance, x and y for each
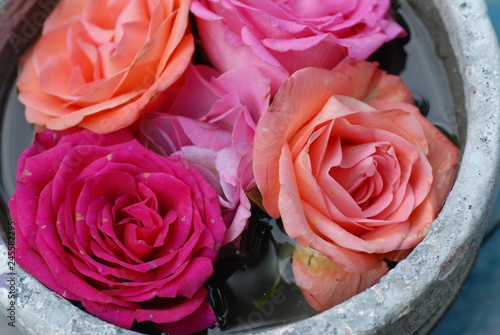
(355, 180)
(109, 65)
(324, 284)
(273, 130)
(117, 227)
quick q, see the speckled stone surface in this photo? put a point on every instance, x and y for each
(413, 294)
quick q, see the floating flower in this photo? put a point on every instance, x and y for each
(281, 37)
(132, 235)
(98, 63)
(350, 165)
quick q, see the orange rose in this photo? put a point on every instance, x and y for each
(99, 62)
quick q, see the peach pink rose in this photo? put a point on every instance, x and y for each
(281, 37)
(350, 165)
(99, 62)
(130, 234)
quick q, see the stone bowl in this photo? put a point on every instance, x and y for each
(412, 297)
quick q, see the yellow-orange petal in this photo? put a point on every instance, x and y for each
(324, 284)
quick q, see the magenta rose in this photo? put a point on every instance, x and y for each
(280, 37)
(132, 235)
(210, 121)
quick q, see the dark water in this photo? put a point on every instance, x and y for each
(255, 288)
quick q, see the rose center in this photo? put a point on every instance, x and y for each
(139, 225)
(368, 172)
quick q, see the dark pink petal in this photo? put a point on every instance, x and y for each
(31, 260)
(178, 311)
(120, 316)
(132, 242)
(117, 227)
(204, 317)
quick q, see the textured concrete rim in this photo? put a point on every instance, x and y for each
(412, 295)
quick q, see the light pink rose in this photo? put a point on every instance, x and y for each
(210, 121)
(99, 62)
(280, 37)
(351, 167)
(132, 235)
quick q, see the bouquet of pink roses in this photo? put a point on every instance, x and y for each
(166, 127)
